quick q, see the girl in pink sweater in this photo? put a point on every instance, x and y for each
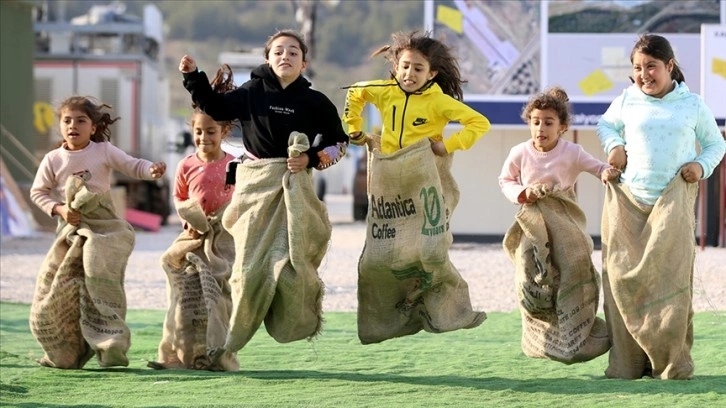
(547, 159)
(79, 306)
(556, 282)
(86, 150)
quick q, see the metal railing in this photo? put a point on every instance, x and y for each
(11, 158)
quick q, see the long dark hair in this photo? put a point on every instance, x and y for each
(659, 48)
(287, 33)
(95, 111)
(223, 82)
(438, 54)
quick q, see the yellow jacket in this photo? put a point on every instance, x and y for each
(407, 118)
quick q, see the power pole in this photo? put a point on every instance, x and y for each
(305, 14)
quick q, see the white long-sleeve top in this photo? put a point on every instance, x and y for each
(96, 162)
(558, 169)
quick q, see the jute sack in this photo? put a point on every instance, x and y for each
(648, 254)
(198, 294)
(79, 305)
(281, 233)
(556, 282)
(406, 281)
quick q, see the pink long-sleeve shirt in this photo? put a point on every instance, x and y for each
(96, 162)
(558, 168)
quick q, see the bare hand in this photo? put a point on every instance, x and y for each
(70, 215)
(618, 158)
(692, 172)
(357, 138)
(187, 64)
(299, 163)
(527, 196)
(611, 173)
(373, 141)
(158, 169)
(439, 148)
(193, 234)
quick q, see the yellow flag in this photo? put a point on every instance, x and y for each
(451, 18)
(594, 83)
(43, 117)
(718, 67)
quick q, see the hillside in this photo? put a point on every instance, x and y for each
(346, 32)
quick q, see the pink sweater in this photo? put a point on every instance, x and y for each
(204, 182)
(558, 168)
(96, 161)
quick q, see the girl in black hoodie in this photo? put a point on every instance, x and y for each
(281, 230)
(276, 101)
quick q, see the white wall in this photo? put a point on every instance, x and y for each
(84, 78)
(483, 210)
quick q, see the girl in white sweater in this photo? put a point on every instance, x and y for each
(79, 306)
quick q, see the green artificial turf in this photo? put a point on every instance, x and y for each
(481, 367)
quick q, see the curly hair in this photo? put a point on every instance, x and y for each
(554, 98)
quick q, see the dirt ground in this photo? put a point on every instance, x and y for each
(485, 267)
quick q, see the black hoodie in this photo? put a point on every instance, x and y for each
(269, 114)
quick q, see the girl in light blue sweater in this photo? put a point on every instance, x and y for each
(650, 133)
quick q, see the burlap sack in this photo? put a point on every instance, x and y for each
(198, 295)
(406, 281)
(281, 233)
(648, 255)
(556, 282)
(79, 306)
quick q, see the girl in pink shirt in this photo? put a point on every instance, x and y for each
(198, 263)
(201, 176)
(79, 306)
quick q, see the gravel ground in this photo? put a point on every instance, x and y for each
(485, 267)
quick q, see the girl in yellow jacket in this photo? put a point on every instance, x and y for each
(406, 281)
(422, 96)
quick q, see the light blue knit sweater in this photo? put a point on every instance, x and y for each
(659, 135)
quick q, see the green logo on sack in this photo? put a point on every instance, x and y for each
(432, 212)
(425, 279)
